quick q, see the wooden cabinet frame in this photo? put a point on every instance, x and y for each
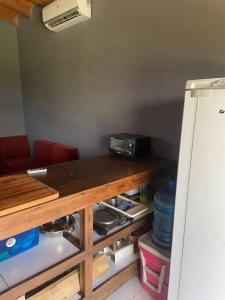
(122, 176)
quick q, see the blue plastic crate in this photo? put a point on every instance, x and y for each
(19, 243)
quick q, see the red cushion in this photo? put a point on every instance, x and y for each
(61, 153)
(18, 164)
(42, 151)
(41, 163)
(14, 146)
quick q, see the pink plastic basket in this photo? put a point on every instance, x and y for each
(155, 267)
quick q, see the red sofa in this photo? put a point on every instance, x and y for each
(15, 154)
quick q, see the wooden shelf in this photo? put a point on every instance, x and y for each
(80, 185)
(115, 268)
(52, 251)
(49, 252)
(115, 282)
(96, 237)
(105, 239)
(53, 257)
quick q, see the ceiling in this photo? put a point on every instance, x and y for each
(10, 10)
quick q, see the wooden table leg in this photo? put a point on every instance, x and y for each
(86, 277)
(86, 228)
(86, 240)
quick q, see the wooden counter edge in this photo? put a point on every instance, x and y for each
(46, 212)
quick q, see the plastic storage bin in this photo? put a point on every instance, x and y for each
(163, 215)
(18, 243)
(155, 267)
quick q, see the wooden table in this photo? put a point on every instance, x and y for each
(81, 184)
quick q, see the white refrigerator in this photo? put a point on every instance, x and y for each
(198, 250)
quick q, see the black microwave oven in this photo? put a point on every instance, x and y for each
(130, 145)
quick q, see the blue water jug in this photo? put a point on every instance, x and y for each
(163, 215)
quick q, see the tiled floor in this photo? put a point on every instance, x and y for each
(130, 290)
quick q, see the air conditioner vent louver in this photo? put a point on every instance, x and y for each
(61, 14)
(69, 15)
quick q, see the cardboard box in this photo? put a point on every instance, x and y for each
(67, 286)
(62, 289)
(100, 266)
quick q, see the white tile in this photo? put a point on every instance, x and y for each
(47, 253)
(127, 291)
(135, 284)
(75, 297)
(115, 268)
(142, 295)
(3, 285)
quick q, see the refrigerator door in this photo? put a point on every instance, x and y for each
(203, 263)
(188, 125)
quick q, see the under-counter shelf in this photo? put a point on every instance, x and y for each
(134, 210)
(80, 184)
(115, 268)
(49, 252)
(96, 237)
(3, 285)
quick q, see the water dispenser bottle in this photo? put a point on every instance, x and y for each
(163, 215)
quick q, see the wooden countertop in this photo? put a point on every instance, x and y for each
(80, 184)
(81, 175)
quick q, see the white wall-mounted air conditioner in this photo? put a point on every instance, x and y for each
(61, 14)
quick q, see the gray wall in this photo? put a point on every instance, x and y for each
(11, 106)
(125, 70)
